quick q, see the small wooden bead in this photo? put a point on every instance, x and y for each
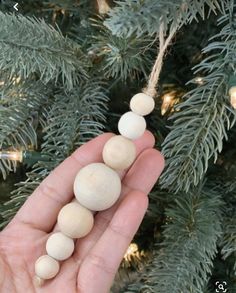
(131, 125)
(74, 220)
(119, 152)
(46, 267)
(142, 104)
(233, 101)
(232, 93)
(97, 187)
(59, 246)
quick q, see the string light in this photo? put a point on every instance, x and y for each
(131, 251)
(23, 156)
(11, 155)
(16, 80)
(168, 102)
(199, 80)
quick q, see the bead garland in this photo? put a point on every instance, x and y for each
(97, 187)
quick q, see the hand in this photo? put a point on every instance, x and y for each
(96, 258)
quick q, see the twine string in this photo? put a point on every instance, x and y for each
(150, 89)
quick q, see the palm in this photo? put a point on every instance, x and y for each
(93, 265)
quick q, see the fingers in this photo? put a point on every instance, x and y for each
(41, 209)
(141, 176)
(103, 260)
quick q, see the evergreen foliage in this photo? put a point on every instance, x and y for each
(229, 238)
(20, 105)
(205, 115)
(59, 76)
(122, 57)
(39, 49)
(70, 121)
(228, 241)
(180, 265)
(139, 17)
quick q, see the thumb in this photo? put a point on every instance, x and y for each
(103, 260)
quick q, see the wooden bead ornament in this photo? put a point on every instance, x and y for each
(46, 267)
(131, 125)
(97, 186)
(142, 104)
(232, 94)
(59, 246)
(74, 220)
(119, 152)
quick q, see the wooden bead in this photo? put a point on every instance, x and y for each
(74, 220)
(119, 152)
(142, 104)
(97, 187)
(46, 267)
(59, 246)
(233, 101)
(232, 93)
(131, 125)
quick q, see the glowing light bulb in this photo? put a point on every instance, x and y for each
(16, 80)
(132, 249)
(199, 80)
(168, 98)
(11, 155)
(168, 101)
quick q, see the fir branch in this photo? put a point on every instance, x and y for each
(184, 262)
(71, 121)
(141, 17)
(19, 105)
(122, 57)
(223, 180)
(228, 242)
(202, 120)
(74, 119)
(30, 46)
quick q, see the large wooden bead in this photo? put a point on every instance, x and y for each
(131, 125)
(97, 186)
(142, 104)
(59, 246)
(74, 220)
(46, 267)
(119, 152)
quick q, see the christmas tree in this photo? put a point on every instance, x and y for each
(67, 72)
